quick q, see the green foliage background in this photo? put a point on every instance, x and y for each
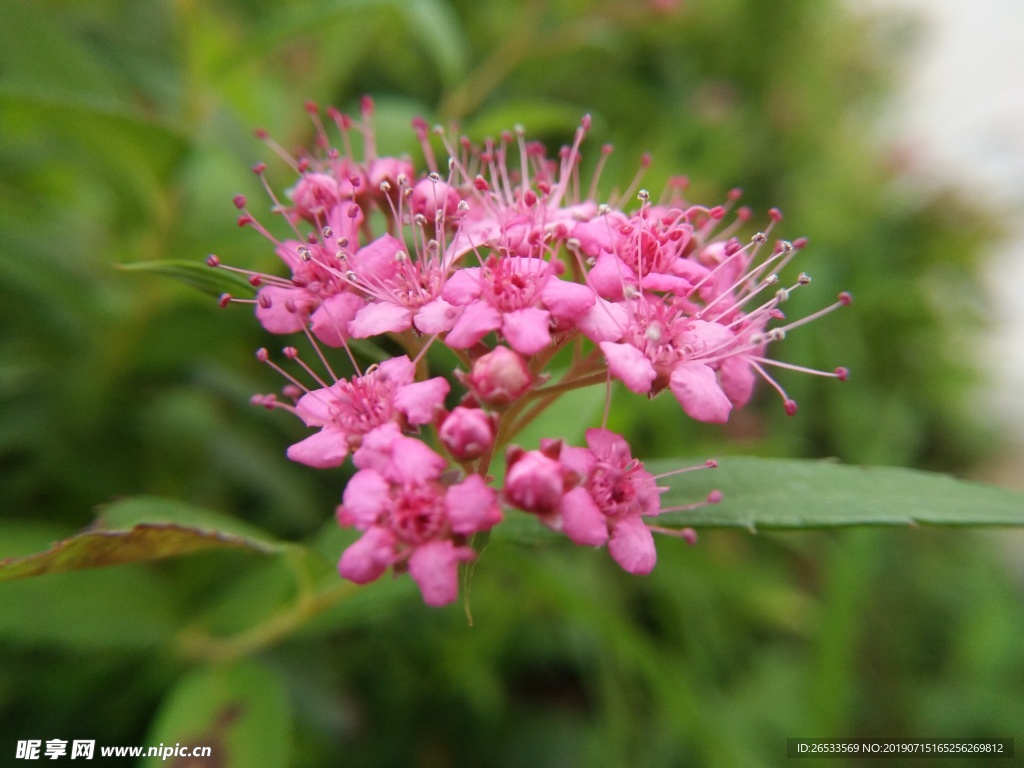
(126, 130)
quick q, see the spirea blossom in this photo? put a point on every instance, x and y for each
(498, 256)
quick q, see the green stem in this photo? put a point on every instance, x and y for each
(194, 644)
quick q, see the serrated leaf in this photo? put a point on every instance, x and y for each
(140, 530)
(779, 494)
(197, 275)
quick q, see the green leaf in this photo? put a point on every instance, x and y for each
(780, 494)
(436, 25)
(139, 530)
(762, 494)
(197, 275)
(240, 711)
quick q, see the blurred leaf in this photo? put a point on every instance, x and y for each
(140, 530)
(240, 711)
(128, 608)
(436, 26)
(197, 275)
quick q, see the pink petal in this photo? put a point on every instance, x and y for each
(369, 557)
(462, 287)
(472, 506)
(609, 446)
(278, 318)
(632, 546)
(609, 276)
(398, 370)
(434, 568)
(736, 377)
(565, 299)
(375, 450)
(421, 400)
(413, 462)
(657, 281)
(582, 521)
(366, 497)
(315, 407)
(327, 448)
(376, 261)
(331, 319)
(528, 331)
(577, 461)
(604, 321)
(436, 316)
(629, 365)
(380, 317)
(706, 338)
(696, 388)
(478, 319)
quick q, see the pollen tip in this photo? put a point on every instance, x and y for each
(224, 300)
(715, 496)
(775, 214)
(212, 260)
(262, 355)
(842, 373)
(711, 464)
(845, 298)
(239, 201)
(790, 406)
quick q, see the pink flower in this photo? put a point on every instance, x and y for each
(663, 346)
(348, 410)
(518, 296)
(614, 493)
(467, 433)
(411, 520)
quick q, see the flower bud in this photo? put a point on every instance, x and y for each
(499, 377)
(467, 433)
(534, 482)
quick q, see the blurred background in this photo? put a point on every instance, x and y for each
(889, 133)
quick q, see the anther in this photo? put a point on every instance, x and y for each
(790, 406)
(224, 300)
(760, 238)
(327, 232)
(304, 253)
(262, 355)
(239, 201)
(845, 298)
(212, 260)
(803, 278)
(842, 373)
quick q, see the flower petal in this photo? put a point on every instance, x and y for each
(434, 568)
(604, 321)
(436, 316)
(366, 496)
(629, 365)
(380, 317)
(331, 319)
(566, 299)
(696, 388)
(368, 557)
(327, 448)
(288, 311)
(472, 506)
(582, 521)
(477, 320)
(632, 546)
(528, 330)
(421, 400)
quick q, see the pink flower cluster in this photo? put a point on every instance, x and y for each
(500, 256)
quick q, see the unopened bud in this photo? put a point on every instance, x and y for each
(467, 433)
(499, 377)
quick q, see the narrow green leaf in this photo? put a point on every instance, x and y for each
(240, 711)
(436, 25)
(761, 494)
(140, 530)
(775, 493)
(197, 275)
